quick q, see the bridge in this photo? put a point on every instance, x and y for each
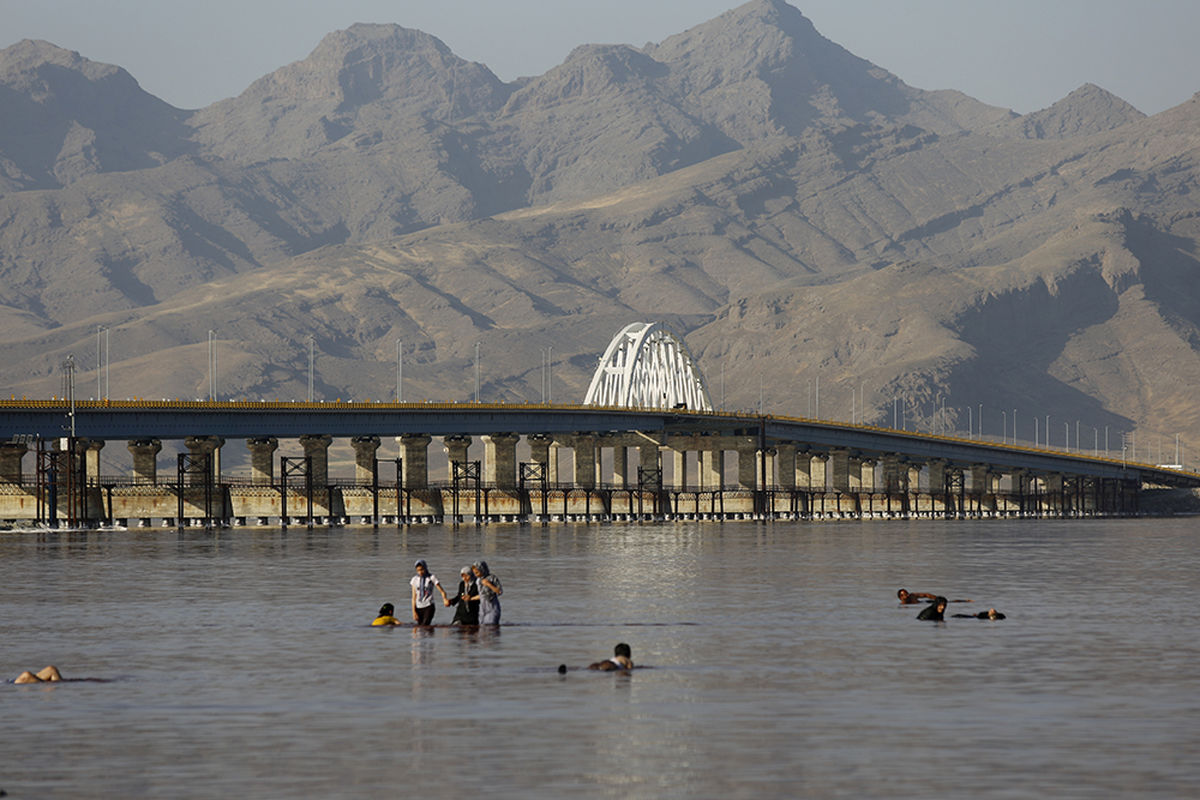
(662, 451)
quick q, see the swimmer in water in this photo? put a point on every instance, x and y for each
(908, 598)
(46, 675)
(991, 613)
(386, 615)
(935, 611)
(622, 659)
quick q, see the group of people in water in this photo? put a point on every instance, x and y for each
(477, 601)
(936, 610)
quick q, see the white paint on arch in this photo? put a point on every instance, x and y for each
(648, 366)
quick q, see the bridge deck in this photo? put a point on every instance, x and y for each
(136, 419)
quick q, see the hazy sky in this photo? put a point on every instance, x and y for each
(1020, 54)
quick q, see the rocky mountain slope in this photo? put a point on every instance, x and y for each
(800, 214)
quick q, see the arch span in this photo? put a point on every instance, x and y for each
(648, 366)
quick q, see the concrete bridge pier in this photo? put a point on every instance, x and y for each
(145, 459)
(414, 449)
(500, 460)
(712, 468)
(199, 447)
(316, 447)
(584, 452)
(455, 447)
(262, 458)
(365, 448)
(747, 471)
(11, 454)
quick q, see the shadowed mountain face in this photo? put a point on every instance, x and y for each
(800, 214)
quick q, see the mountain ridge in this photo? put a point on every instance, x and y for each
(794, 210)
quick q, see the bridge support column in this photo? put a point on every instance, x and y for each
(868, 475)
(145, 459)
(839, 467)
(456, 447)
(316, 447)
(785, 459)
(584, 447)
(11, 454)
(500, 460)
(414, 450)
(818, 475)
(552, 455)
(803, 470)
(747, 453)
(539, 451)
(91, 455)
(712, 468)
(262, 458)
(1054, 484)
(765, 473)
(200, 446)
(679, 468)
(895, 475)
(620, 470)
(648, 456)
(365, 448)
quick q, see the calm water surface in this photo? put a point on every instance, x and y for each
(243, 664)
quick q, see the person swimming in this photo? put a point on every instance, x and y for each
(991, 613)
(908, 598)
(48, 674)
(622, 659)
(935, 611)
(386, 616)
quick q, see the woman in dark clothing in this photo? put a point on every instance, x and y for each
(466, 610)
(935, 611)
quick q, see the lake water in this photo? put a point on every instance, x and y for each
(242, 663)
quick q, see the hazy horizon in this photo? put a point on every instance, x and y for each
(1022, 54)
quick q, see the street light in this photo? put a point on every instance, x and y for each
(212, 365)
(312, 356)
(1004, 423)
(400, 372)
(477, 372)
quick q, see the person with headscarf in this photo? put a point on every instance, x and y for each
(422, 593)
(466, 602)
(386, 616)
(935, 611)
(489, 593)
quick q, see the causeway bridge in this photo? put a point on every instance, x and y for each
(539, 462)
(645, 444)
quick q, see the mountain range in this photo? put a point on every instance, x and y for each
(800, 215)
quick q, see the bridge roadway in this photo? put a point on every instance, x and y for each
(143, 419)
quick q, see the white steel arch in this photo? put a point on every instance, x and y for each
(647, 366)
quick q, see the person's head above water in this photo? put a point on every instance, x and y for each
(466, 571)
(623, 649)
(421, 565)
(902, 593)
(941, 603)
(481, 567)
(387, 610)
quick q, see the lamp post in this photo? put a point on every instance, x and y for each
(312, 357)
(212, 365)
(477, 372)
(400, 372)
(1004, 424)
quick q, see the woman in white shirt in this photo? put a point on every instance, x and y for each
(422, 593)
